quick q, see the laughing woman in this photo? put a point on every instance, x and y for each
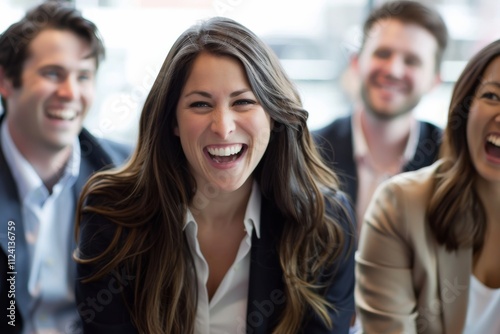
(428, 251)
(225, 220)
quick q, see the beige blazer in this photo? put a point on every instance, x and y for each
(405, 281)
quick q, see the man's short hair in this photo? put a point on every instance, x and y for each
(411, 12)
(52, 14)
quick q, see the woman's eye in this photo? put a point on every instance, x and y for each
(199, 104)
(244, 102)
(490, 96)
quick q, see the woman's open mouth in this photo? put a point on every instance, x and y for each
(227, 153)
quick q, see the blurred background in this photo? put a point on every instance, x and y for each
(314, 40)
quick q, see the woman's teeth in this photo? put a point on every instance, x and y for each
(493, 139)
(225, 151)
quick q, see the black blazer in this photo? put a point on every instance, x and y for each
(101, 303)
(95, 155)
(336, 146)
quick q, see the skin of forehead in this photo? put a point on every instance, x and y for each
(52, 45)
(401, 36)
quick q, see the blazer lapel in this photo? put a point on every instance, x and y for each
(427, 149)
(454, 270)
(343, 155)
(10, 210)
(336, 147)
(93, 158)
(266, 295)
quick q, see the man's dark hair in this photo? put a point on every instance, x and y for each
(52, 14)
(411, 12)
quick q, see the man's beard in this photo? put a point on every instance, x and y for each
(383, 115)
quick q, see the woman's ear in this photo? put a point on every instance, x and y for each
(176, 131)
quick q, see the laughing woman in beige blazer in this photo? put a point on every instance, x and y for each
(429, 251)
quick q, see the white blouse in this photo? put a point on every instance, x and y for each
(483, 309)
(226, 312)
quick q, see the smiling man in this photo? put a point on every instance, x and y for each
(399, 62)
(48, 63)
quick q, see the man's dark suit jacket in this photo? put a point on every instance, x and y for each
(95, 155)
(103, 311)
(335, 142)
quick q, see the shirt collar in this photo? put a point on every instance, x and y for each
(358, 137)
(411, 146)
(24, 174)
(252, 214)
(361, 148)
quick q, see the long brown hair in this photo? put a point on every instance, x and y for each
(148, 198)
(456, 213)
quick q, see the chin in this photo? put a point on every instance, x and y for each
(61, 144)
(230, 186)
(389, 114)
(382, 114)
(489, 174)
(491, 177)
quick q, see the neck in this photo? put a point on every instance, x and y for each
(50, 169)
(49, 164)
(222, 210)
(489, 193)
(386, 139)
